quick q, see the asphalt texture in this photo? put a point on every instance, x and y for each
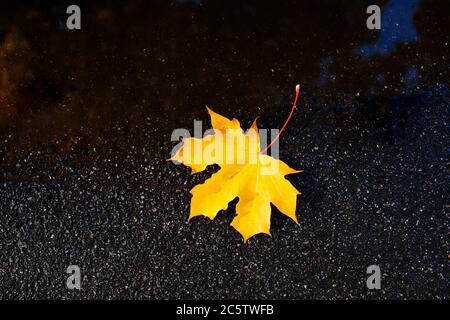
(85, 181)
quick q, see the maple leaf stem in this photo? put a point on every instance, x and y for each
(294, 106)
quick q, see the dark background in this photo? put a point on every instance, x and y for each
(85, 124)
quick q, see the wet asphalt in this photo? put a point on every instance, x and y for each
(85, 137)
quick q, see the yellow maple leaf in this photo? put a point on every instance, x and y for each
(257, 179)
